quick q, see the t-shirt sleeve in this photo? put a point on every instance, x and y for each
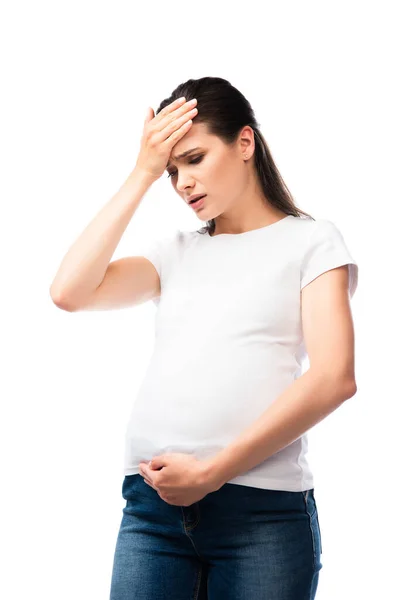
(153, 252)
(160, 253)
(327, 250)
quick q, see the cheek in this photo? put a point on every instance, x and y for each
(225, 180)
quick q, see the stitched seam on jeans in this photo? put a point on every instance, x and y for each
(319, 531)
(197, 589)
(311, 529)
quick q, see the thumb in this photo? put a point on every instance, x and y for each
(156, 463)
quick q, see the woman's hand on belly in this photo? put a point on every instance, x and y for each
(179, 479)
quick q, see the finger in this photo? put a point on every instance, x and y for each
(167, 110)
(149, 483)
(149, 115)
(176, 118)
(174, 131)
(143, 470)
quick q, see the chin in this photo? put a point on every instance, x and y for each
(206, 214)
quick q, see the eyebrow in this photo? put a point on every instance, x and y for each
(184, 154)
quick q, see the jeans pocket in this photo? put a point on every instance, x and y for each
(309, 501)
(311, 509)
(319, 531)
(317, 519)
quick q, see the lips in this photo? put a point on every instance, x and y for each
(198, 204)
(196, 198)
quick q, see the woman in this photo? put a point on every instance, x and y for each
(219, 495)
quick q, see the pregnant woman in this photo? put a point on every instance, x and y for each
(219, 495)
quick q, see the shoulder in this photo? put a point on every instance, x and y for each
(324, 249)
(174, 245)
(309, 226)
(323, 231)
(314, 231)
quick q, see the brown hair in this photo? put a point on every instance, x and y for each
(226, 111)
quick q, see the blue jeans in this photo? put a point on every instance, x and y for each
(237, 543)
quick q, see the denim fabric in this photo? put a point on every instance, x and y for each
(237, 543)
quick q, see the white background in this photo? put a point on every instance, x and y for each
(77, 78)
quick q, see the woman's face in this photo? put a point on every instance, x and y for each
(213, 168)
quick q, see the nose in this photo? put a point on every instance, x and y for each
(183, 183)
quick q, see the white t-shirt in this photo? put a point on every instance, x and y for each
(228, 341)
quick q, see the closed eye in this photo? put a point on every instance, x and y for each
(194, 161)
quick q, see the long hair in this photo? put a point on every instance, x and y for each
(225, 111)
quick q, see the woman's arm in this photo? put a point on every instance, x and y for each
(330, 380)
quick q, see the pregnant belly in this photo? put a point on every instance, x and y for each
(202, 421)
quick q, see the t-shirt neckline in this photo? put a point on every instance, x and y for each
(246, 233)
